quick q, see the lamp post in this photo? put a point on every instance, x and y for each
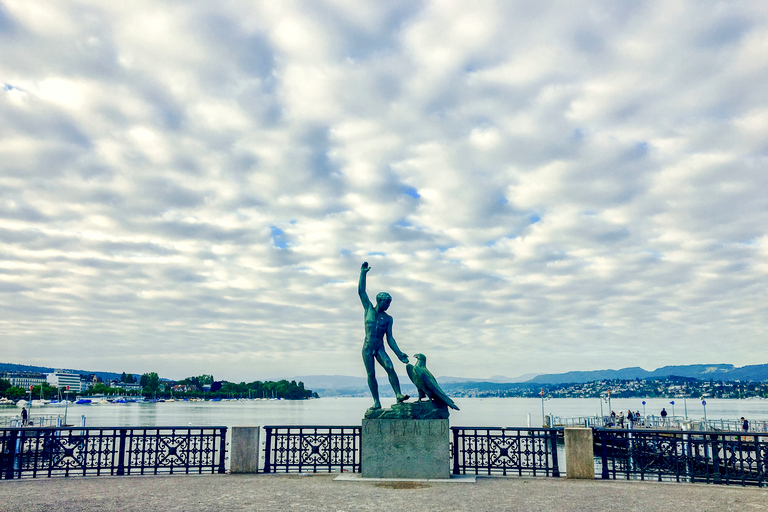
(542, 408)
(672, 403)
(704, 404)
(643, 408)
(609, 401)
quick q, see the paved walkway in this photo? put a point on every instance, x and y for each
(223, 493)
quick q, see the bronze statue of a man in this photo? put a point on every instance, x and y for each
(377, 324)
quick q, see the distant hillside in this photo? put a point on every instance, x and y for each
(10, 367)
(727, 372)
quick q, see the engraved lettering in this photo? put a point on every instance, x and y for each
(416, 428)
(393, 428)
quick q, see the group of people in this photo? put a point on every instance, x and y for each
(631, 417)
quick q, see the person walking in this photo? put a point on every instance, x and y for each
(663, 416)
(24, 417)
(744, 425)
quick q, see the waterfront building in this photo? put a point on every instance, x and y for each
(61, 380)
(24, 379)
(135, 386)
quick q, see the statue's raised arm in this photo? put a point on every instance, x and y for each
(361, 286)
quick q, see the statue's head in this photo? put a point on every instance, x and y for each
(383, 300)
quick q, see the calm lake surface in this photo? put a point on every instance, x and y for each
(475, 412)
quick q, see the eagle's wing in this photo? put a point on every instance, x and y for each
(432, 388)
(416, 379)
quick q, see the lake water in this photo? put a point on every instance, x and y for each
(475, 412)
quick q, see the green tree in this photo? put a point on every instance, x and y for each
(15, 393)
(5, 384)
(150, 382)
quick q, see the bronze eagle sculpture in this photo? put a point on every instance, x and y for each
(426, 383)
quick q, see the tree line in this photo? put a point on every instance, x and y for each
(152, 387)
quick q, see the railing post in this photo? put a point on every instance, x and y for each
(10, 457)
(715, 446)
(268, 450)
(455, 454)
(553, 447)
(601, 434)
(244, 450)
(121, 453)
(223, 444)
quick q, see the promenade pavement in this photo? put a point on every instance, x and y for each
(223, 493)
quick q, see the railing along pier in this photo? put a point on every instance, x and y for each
(94, 451)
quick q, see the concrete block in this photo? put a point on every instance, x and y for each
(405, 448)
(579, 453)
(244, 453)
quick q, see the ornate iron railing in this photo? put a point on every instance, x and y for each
(48, 452)
(505, 451)
(312, 449)
(682, 456)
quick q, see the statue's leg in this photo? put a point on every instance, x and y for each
(386, 362)
(370, 369)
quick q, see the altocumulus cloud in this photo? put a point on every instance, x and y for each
(192, 187)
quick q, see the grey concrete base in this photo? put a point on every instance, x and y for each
(405, 449)
(244, 450)
(454, 479)
(579, 452)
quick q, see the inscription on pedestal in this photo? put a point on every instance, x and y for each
(395, 448)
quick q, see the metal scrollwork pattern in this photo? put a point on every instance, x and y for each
(312, 449)
(111, 451)
(502, 451)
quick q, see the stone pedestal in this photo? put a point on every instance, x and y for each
(405, 448)
(245, 450)
(579, 453)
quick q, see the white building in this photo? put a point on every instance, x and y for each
(61, 380)
(126, 386)
(25, 379)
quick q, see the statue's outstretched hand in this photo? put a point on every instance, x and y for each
(403, 358)
(364, 267)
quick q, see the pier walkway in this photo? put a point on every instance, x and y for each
(223, 493)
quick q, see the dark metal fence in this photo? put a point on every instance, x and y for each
(505, 451)
(502, 451)
(682, 456)
(312, 449)
(49, 452)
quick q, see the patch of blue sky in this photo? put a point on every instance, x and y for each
(376, 253)
(533, 218)
(410, 191)
(346, 252)
(278, 237)
(403, 223)
(656, 254)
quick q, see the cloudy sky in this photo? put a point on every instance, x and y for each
(191, 187)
